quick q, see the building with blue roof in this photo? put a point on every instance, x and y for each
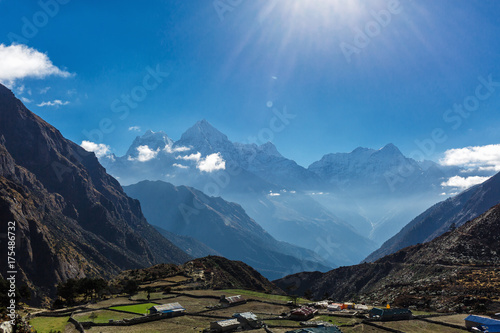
(482, 324)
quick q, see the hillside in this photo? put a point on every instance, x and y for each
(440, 217)
(457, 271)
(222, 226)
(215, 273)
(73, 219)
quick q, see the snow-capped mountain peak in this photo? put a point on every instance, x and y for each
(154, 141)
(270, 149)
(203, 130)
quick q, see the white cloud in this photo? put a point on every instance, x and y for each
(271, 194)
(134, 128)
(26, 100)
(146, 153)
(193, 157)
(55, 103)
(464, 183)
(170, 150)
(211, 163)
(482, 158)
(44, 90)
(180, 166)
(20, 61)
(99, 149)
(20, 89)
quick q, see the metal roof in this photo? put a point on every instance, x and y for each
(483, 320)
(305, 311)
(235, 299)
(167, 307)
(249, 316)
(228, 322)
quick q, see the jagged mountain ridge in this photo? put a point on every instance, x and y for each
(258, 168)
(73, 219)
(456, 267)
(439, 218)
(223, 226)
(373, 191)
(367, 168)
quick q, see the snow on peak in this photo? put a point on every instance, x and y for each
(153, 140)
(270, 149)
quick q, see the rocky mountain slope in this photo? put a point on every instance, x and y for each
(439, 218)
(213, 272)
(72, 218)
(456, 271)
(223, 226)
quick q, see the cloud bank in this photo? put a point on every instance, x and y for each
(56, 103)
(480, 158)
(145, 154)
(169, 149)
(210, 163)
(20, 61)
(464, 183)
(100, 150)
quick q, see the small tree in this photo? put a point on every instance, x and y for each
(131, 287)
(308, 294)
(68, 291)
(149, 290)
(293, 299)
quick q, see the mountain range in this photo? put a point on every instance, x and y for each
(222, 226)
(71, 218)
(351, 201)
(454, 272)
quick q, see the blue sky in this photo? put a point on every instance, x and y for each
(233, 62)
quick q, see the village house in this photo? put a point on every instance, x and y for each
(335, 307)
(347, 306)
(321, 305)
(387, 314)
(232, 300)
(170, 309)
(482, 324)
(303, 313)
(225, 325)
(361, 307)
(247, 319)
